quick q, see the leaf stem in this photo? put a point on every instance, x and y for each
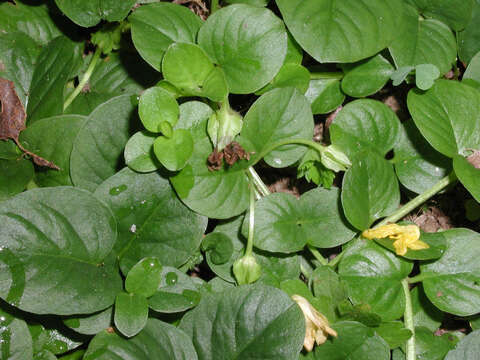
(336, 260)
(251, 219)
(416, 279)
(259, 184)
(85, 78)
(213, 6)
(419, 200)
(336, 75)
(408, 320)
(317, 255)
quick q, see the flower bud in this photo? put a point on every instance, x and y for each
(223, 126)
(247, 270)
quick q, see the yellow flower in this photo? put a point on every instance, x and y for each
(317, 326)
(405, 236)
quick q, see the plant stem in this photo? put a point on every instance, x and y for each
(336, 260)
(419, 200)
(260, 185)
(416, 279)
(251, 220)
(86, 77)
(213, 6)
(317, 255)
(408, 320)
(336, 75)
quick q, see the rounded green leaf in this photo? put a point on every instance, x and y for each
(290, 75)
(455, 13)
(44, 233)
(14, 177)
(157, 105)
(354, 341)
(98, 148)
(369, 191)
(424, 313)
(276, 116)
(9, 150)
(325, 95)
(425, 76)
(366, 77)
(452, 282)
(176, 292)
(139, 155)
(423, 41)
(89, 12)
(131, 313)
(174, 152)
(156, 26)
(144, 277)
(467, 349)
(373, 276)
(472, 72)
(329, 30)
(467, 39)
(468, 174)
(394, 333)
(447, 116)
(365, 125)
(157, 340)
(249, 43)
(285, 224)
(91, 324)
(15, 339)
(254, 322)
(151, 220)
(218, 247)
(52, 139)
(429, 346)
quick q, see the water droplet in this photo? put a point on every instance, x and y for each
(2, 318)
(277, 161)
(171, 278)
(117, 190)
(134, 99)
(192, 296)
(133, 228)
(143, 202)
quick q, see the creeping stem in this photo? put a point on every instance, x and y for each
(85, 78)
(408, 320)
(326, 75)
(213, 6)
(251, 219)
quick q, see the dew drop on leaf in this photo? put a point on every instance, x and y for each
(117, 190)
(171, 278)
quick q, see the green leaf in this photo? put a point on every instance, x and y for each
(18, 54)
(144, 277)
(326, 282)
(467, 39)
(89, 13)
(157, 105)
(91, 324)
(52, 337)
(424, 313)
(294, 51)
(189, 68)
(423, 41)
(373, 276)
(447, 116)
(437, 246)
(151, 220)
(52, 139)
(454, 289)
(369, 190)
(98, 148)
(131, 313)
(14, 177)
(417, 164)
(468, 174)
(156, 338)
(425, 76)
(325, 95)
(279, 115)
(394, 333)
(467, 349)
(284, 224)
(9, 150)
(472, 72)
(354, 341)
(44, 233)
(290, 75)
(34, 21)
(253, 320)
(139, 155)
(174, 152)
(249, 43)
(365, 125)
(249, 2)
(156, 26)
(431, 347)
(176, 292)
(329, 30)
(52, 71)
(45, 355)
(455, 13)
(15, 339)
(218, 246)
(366, 77)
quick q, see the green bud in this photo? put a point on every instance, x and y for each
(334, 159)
(223, 126)
(247, 270)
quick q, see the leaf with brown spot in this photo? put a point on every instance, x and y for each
(12, 120)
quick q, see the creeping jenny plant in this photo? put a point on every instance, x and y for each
(137, 139)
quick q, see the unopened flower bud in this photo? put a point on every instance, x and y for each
(247, 270)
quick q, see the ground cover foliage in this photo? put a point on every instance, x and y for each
(138, 140)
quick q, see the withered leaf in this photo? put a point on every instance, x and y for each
(12, 120)
(234, 152)
(215, 160)
(474, 159)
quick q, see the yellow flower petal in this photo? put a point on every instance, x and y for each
(405, 236)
